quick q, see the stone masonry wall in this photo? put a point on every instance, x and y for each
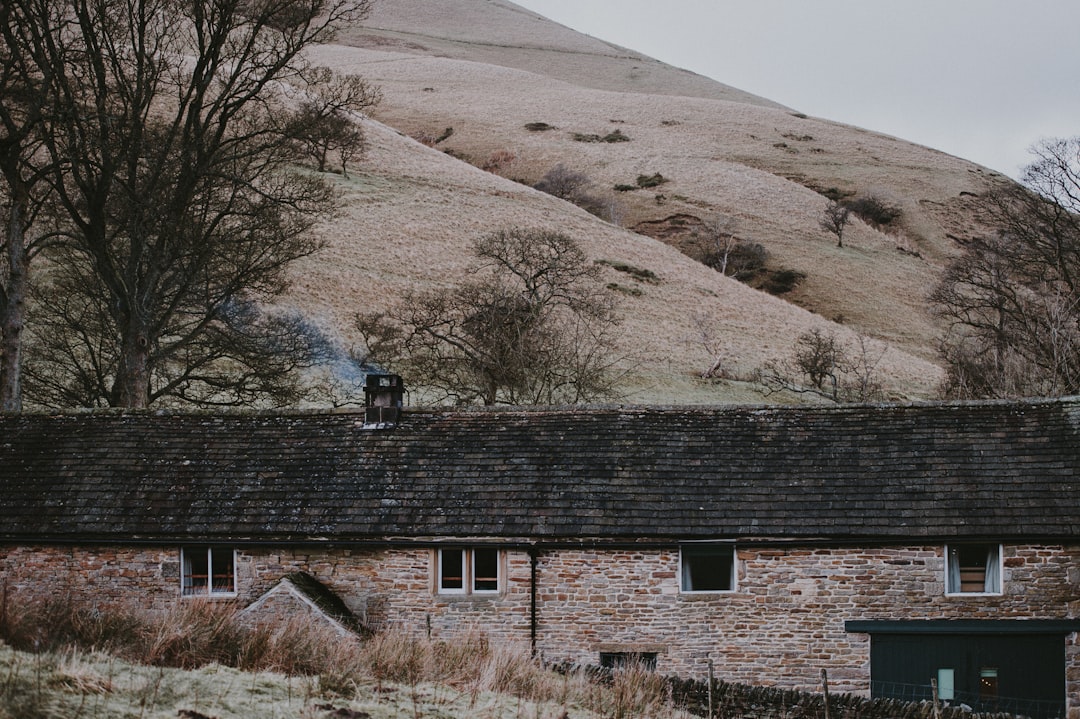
(785, 620)
(782, 624)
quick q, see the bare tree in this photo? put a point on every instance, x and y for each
(532, 327)
(834, 219)
(564, 183)
(24, 85)
(706, 338)
(818, 356)
(1012, 301)
(328, 118)
(822, 365)
(173, 148)
(718, 235)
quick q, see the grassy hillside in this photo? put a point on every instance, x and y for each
(494, 73)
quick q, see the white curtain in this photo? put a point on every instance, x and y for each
(992, 582)
(952, 573)
(687, 578)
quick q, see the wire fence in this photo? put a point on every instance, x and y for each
(972, 701)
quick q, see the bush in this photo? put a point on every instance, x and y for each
(743, 262)
(538, 126)
(613, 136)
(563, 182)
(873, 210)
(626, 188)
(499, 161)
(782, 281)
(647, 181)
(637, 273)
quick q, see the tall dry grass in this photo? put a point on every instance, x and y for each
(198, 634)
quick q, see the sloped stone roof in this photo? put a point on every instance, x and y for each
(871, 473)
(313, 594)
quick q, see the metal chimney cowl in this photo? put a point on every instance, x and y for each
(383, 398)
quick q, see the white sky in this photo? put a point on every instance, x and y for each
(981, 79)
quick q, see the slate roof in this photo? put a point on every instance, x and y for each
(866, 473)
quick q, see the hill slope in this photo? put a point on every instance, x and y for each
(487, 68)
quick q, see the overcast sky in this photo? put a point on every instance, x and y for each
(981, 79)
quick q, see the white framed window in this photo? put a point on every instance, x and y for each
(207, 571)
(973, 569)
(469, 571)
(707, 567)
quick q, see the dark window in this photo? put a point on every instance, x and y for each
(451, 570)
(485, 570)
(973, 569)
(620, 660)
(469, 571)
(708, 568)
(207, 571)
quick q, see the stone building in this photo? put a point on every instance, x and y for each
(889, 545)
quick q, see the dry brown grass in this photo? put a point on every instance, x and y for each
(467, 676)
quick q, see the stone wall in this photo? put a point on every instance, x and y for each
(781, 625)
(784, 621)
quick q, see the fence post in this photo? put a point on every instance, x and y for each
(825, 686)
(710, 714)
(933, 692)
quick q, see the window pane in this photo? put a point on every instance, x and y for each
(708, 569)
(946, 684)
(221, 561)
(196, 576)
(451, 569)
(485, 570)
(974, 569)
(972, 560)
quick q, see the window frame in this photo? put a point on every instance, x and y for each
(708, 548)
(469, 578)
(207, 591)
(994, 547)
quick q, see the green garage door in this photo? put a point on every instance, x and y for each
(1007, 666)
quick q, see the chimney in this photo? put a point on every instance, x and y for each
(383, 394)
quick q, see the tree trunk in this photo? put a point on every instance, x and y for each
(12, 311)
(132, 386)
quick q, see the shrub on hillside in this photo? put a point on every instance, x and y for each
(654, 180)
(782, 281)
(742, 260)
(613, 136)
(873, 210)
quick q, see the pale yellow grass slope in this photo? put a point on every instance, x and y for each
(486, 69)
(411, 213)
(721, 158)
(502, 33)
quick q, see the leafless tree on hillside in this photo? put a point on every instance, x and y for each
(822, 365)
(532, 326)
(1012, 301)
(834, 219)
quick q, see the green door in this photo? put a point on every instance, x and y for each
(1015, 673)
